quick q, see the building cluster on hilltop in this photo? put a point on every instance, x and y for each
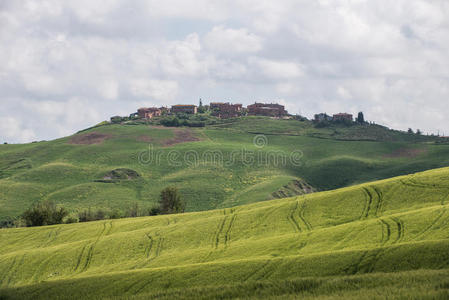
(336, 117)
(225, 110)
(222, 110)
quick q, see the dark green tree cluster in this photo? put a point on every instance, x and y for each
(171, 202)
(44, 213)
(360, 118)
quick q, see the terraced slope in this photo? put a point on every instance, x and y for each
(330, 243)
(214, 167)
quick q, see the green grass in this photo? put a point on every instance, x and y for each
(69, 174)
(381, 239)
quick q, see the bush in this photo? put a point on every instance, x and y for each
(170, 201)
(8, 222)
(44, 213)
(154, 211)
(115, 214)
(71, 220)
(323, 124)
(133, 211)
(86, 216)
(170, 122)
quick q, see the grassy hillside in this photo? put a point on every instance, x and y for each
(206, 164)
(380, 239)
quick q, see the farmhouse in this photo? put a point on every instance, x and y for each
(225, 110)
(263, 109)
(186, 109)
(322, 117)
(342, 117)
(148, 112)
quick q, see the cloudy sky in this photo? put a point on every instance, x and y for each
(67, 65)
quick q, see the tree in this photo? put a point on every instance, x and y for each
(418, 132)
(133, 211)
(360, 118)
(170, 201)
(44, 213)
(410, 131)
(201, 108)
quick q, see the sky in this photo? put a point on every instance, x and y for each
(68, 65)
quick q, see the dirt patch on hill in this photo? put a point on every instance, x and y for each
(89, 138)
(183, 135)
(405, 153)
(145, 138)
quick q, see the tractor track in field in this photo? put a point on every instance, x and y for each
(13, 268)
(385, 236)
(373, 203)
(380, 198)
(303, 219)
(269, 212)
(372, 263)
(261, 268)
(400, 228)
(368, 260)
(80, 256)
(108, 232)
(219, 231)
(43, 263)
(267, 271)
(9, 272)
(434, 222)
(150, 246)
(142, 287)
(292, 220)
(354, 268)
(159, 246)
(414, 183)
(227, 237)
(51, 236)
(368, 203)
(89, 254)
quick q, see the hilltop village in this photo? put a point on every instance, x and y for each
(226, 110)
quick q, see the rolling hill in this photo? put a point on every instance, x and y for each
(231, 163)
(381, 239)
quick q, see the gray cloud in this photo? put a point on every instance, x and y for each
(69, 64)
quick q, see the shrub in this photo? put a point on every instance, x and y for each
(86, 216)
(170, 201)
(154, 211)
(44, 213)
(133, 211)
(100, 215)
(115, 214)
(71, 220)
(8, 222)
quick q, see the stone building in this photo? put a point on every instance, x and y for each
(225, 109)
(264, 109)
(184, 109)
(148, 112)
(343, 117)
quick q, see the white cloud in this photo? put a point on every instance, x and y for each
(75, 63)
(162, 90)
(278, 70)
(227, 40)
(12, 129)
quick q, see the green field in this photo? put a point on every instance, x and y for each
(73, 171)
(379, 239)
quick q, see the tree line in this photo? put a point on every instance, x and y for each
(49, 213)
